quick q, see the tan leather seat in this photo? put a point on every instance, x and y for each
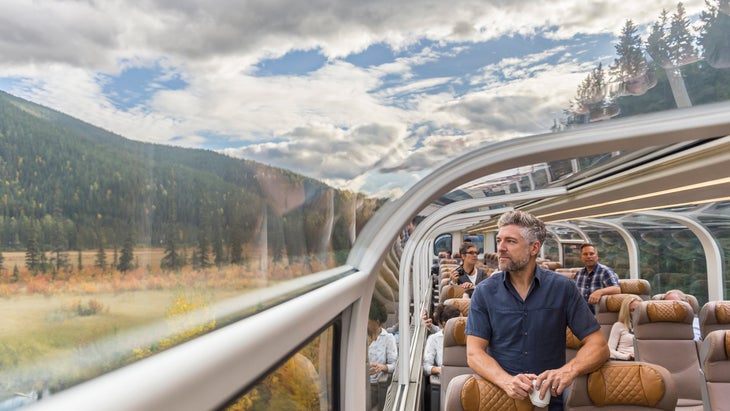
(640, 287)
(664, 336)
(607, 311)
(454, 353)
(715, 315)
(470, 392)
(691, 299)
(461, 303)
(572, 344)
(620, 385)
(567, 272)
(715, 363)
(451, 291)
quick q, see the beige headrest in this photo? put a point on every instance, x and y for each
(722, 312)
(461, 303)
(459, 329)
(626, 384)
(641, 287)
(667, 311)
(479, 394)
(613, 302)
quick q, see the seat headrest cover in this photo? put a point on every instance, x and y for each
(613, 302)
(667, 311)
(459, 328)
(461, 303)
(626, 384)
(722, 312)
(480, 394)
(634, 287)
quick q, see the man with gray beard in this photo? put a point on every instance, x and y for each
(516, 328)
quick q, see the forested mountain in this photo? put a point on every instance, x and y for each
(67, 185)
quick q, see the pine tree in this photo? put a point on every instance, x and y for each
(657, 44)
(125, 261)
(630, 69)
(33, 252)
(680, 43)
(100, 257)
(172, 260)
(671, 48)
(713, 33)
(58, 236)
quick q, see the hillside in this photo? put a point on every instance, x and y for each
(67, 185)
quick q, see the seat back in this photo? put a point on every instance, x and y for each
(461, 303)
(607, 311)
(451, 291)
(691, 299)
(715, 315)
(663, 335)
(572, 344)
(715, 363)
(454, 353)
(640, 287)
(471, 392)
(621, 385)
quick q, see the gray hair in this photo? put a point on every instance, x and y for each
(531, 227)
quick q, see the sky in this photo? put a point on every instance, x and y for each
(367, 96)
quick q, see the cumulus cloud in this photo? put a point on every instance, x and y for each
(377, 127)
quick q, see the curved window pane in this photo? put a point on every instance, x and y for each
(303, 382)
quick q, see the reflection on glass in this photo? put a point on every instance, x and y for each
(303, 382)
(672, 259)
(612, 250)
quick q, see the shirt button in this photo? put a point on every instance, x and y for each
(525, 333)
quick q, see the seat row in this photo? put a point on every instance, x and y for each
(671, 371)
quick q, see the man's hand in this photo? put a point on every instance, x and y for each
(518, 386)
(556, 381)
(595, 297)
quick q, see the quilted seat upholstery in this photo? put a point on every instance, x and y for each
(620, 385)
(469, 392)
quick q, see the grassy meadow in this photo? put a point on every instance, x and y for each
(55, 326)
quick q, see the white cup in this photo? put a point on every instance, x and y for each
(535, 396)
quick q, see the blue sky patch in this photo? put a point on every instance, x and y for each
(7, 83)
(136, 85)
(293, 63)
(374, 55)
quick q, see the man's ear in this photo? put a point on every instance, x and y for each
(534, 247)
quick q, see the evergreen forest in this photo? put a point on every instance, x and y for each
(69, 186)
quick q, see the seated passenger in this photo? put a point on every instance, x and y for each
(433, 354)
(621, 340)
(679, 295)
(382, 350)
(431, 328)
(468, 275)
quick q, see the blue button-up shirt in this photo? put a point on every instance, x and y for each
(528, 336)
(600, 277)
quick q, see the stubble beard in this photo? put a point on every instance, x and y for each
(513, 266)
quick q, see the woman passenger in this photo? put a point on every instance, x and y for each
(621, 339)
(433, 357)
(382, 349)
